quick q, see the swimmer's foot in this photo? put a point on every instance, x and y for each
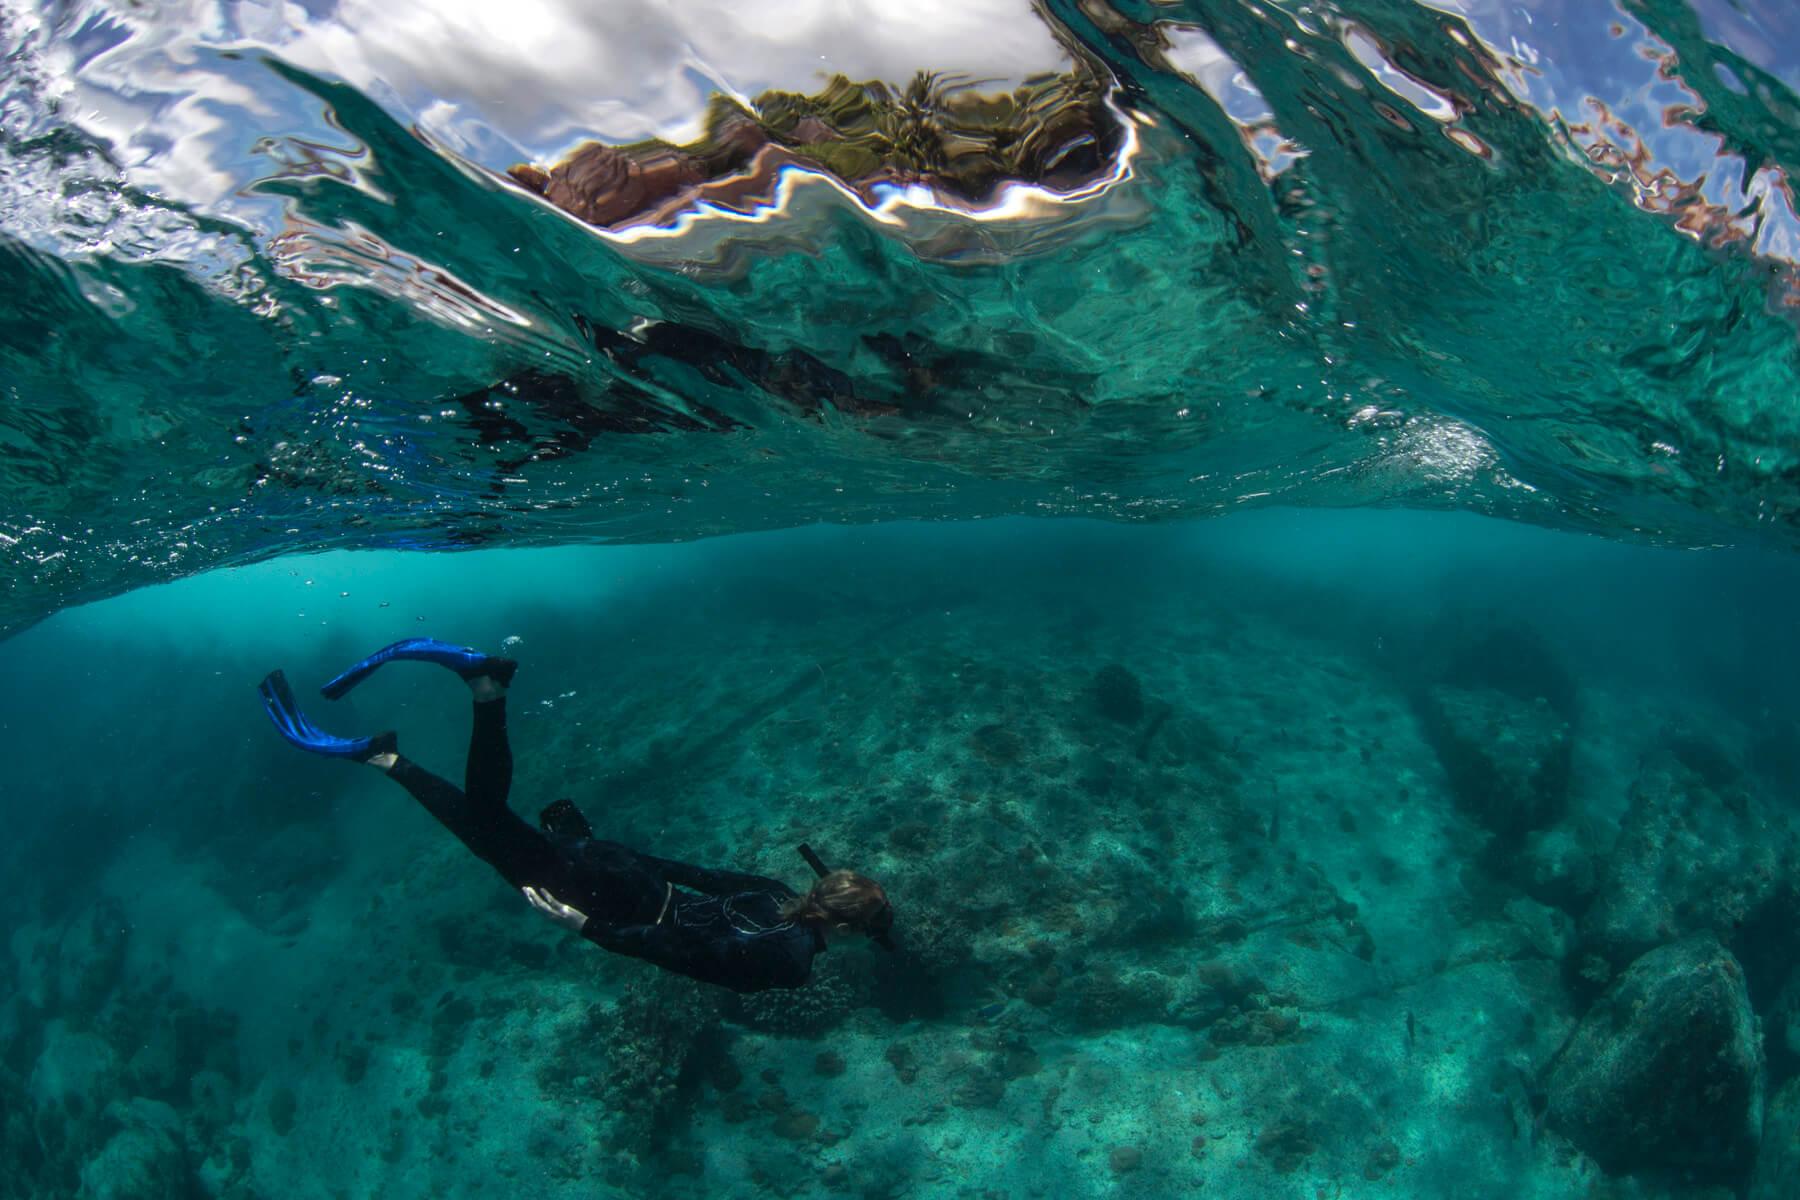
(292, 724)
(486, 674)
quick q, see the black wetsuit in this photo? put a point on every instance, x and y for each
(721, 927)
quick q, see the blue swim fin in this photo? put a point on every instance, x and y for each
(470, 664)
(292, 724)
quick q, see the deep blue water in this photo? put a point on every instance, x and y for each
(1267, 527)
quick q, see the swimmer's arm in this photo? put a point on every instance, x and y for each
(713, 882)
(566, 915)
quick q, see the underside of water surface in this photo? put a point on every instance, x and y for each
(271, 286)
(1267, 527)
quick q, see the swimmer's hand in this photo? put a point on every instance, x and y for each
(555, 909)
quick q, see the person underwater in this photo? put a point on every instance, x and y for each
(745, 932)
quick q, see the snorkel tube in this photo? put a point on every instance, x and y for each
(821, 870)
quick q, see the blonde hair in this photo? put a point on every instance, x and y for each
(842, 900)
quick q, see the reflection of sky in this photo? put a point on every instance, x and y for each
(1764, 32)
(1192, 52)
(1565, 54)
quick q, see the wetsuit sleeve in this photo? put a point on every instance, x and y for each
(639, 941)
(717, 883)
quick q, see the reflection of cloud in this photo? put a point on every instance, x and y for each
(537, 76)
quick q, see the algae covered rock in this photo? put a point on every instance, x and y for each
(1666, 1069)
(1689, 859)
(1507, 757)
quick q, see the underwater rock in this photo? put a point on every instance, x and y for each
(1287, 1144)
(75, 966)
(1688, 859)
(998, 745)
(1666, 1069)
(1118, 695)
(1781, 1029)
(1778, 1162)
(1555, 867)
(904, 1059)
(72, 1070)
(1507, 758)
(211, 1098)
(144, 1160)
(1104, 999)
(1546, 931)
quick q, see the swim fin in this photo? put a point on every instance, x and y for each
(292, 724)
(470, 664)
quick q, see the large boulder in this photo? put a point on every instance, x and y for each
(1507, 757)
(1666, 1069)
(1692, 857)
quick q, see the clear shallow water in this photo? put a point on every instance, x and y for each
(1336, 850)
(1263, 937)
(264, 269)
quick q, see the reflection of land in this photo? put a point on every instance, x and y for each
(963, 144)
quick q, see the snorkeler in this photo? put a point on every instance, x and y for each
(744, 932)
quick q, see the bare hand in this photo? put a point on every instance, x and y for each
(555, 909)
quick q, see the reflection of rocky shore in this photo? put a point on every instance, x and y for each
(961, 142)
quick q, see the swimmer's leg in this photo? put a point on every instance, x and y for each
(472, 665)
(292, 724)
(492, 831)
(487, 775)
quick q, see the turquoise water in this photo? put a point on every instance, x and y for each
(1259, 939)
(1290, 590)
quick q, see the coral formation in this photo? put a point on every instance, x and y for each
(835, 990)
(656, 1039)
